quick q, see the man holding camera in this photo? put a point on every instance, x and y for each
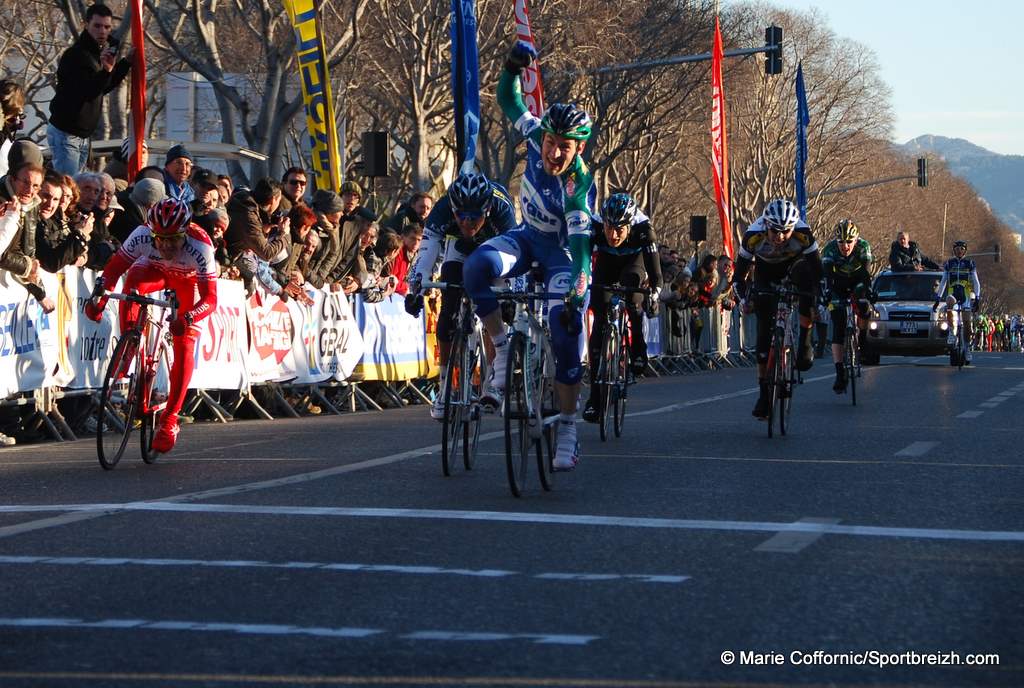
(87, 71)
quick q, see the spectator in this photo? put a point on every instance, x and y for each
(57, 243)
(69, 199)
(329, 208)
(177, 170)
(19, 194)
(204, 186)
(87, 71)
(12, 106)
(249, 216)
(416, 210)
(294, 183)
(351, 195)
(215, 223)
(349, 272)
(135, 203)
(378, 254)
(301, 220)
(225, 188)
(906, 256)
(412, 236)
(152, 172)
(706, 279)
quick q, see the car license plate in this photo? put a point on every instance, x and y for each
(908, 327)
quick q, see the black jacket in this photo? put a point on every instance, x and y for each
(57, 245)
(245, 228)
(907, 259)
(81, 84)
(125, 221)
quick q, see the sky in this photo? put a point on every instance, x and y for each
(955, 68)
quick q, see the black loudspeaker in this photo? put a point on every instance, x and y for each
(698, 228)
(376, 153)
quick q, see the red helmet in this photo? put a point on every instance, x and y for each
(169, 217)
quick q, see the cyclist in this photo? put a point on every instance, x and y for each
(846, 261)
(959, 285)
(168, 252)
(474, 210)
(778, 244)
(625, 252)
(556, 196)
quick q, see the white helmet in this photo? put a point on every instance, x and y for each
(782, 214)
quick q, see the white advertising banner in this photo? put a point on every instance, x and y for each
(221, 351)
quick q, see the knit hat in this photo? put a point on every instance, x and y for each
(352, 187)
(326, 201)
(23, 152)
(176, 152)
(148, 192)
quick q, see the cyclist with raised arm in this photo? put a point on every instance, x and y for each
(778, 245)
(474, 210)
(960, 285)
(168, 252)
(625, 253)
(846, 261)
(556, 196)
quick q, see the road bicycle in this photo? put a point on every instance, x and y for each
(958, 351)
(127, 398)
(463, 386)
(851, 355)
(530, 409)
(782, 375)
(614, 372)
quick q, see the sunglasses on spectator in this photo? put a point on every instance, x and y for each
(297, 182)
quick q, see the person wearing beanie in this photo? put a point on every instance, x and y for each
(136, 201)
(87, 71)
(177, 170)
(19, 215)
(328, 208)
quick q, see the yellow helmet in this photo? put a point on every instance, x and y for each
(846, 230)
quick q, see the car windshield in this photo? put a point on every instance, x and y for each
(907, 287)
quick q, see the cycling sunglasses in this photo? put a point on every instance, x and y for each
(779, 230)
(469, 215)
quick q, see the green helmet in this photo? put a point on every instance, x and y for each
(565, 119)
(846, 230)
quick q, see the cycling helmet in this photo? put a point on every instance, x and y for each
(565, 119)
(620, 209)
(782, 214)
(169, 218)
(960, 243)
(846, 230)
(470, 192)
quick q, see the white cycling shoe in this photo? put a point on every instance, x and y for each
(437, 408)
(568, 453)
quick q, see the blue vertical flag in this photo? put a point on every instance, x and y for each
(803, 118)
(465, 82)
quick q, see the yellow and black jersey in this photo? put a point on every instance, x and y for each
(756, 246)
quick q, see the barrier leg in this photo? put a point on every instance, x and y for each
(317, 393)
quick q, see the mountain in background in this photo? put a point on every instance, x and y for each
(996, 178)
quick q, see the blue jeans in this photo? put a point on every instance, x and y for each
(70, 153)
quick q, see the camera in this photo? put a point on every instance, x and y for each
(278, 217)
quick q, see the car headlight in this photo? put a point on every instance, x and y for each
(943, 325)
(873, 325)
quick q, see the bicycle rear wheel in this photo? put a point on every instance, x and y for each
(118, 405)
(517, 414)
(850, 361)
(605, 377)
(451, 426)
(774, 377)
(546, 444)
(787, 386)
(472, 416)
(622, 373)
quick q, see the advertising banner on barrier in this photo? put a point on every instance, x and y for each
(29, 345)
(394, 343)
(90, 344)
(223, 342)
(271, 333)
(652, 335)
(304, 343)
(339, 344)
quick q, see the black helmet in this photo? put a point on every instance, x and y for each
(620, 209)
(960, 243)
(471, 192)
(565, 119)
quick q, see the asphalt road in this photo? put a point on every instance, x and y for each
(693, 551)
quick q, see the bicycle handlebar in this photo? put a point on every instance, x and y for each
(170, 302)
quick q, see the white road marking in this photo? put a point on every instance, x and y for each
(524, 517)
(791, 542)
(989, 404)
(709, 400)
(970, 414)
(284, 629)
(917, 449)
(345, 567)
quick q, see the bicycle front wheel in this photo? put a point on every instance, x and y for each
(473, 389)
(775, 373)
(606, 378)
(851, 367)
(148, 411)
(518, 414)
(622, 373)
(451, 427)
(118, 407)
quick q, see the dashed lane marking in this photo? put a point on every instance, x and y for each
(970, 414)
(285, 629)
(989, 404)
(536, 518)
(709, 400)
(346, 567)
(917, 449)
(791, 542)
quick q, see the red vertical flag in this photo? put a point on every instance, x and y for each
(720, 144)
(137, 133)
(533, 90)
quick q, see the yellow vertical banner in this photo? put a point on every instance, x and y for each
(316, 92)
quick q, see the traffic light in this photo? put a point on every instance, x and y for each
(773, 56)
(922, 172)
